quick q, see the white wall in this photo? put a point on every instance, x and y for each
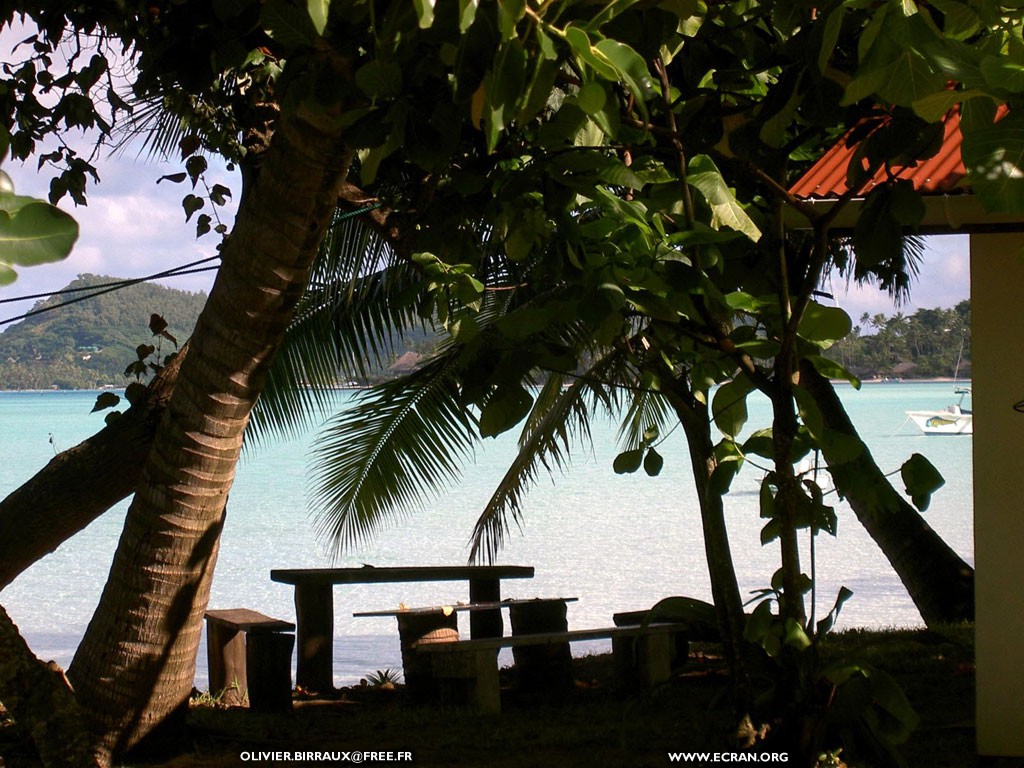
(997, 309)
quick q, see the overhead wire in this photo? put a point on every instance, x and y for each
(102, 288)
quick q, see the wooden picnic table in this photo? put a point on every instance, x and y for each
(314, 605)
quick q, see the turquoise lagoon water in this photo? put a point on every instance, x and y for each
(615, 542)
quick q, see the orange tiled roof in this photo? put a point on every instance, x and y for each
(941, 173)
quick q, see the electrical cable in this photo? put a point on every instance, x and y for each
(127, 281)
(111, 287)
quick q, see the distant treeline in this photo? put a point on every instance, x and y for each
(926, 344)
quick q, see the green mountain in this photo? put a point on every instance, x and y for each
(89, 344)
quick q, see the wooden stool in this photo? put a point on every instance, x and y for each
(542, 669)
(423, 629)
(249, 653)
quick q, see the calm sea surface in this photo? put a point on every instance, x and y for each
(615, 542)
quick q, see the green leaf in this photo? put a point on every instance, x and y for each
(653, 463)
(196, 166)
(220, 194)
(506, 407)
(174, 178)
(628, 462)
(704, 175)
(287, 24)
(34, 232)
(795, 636)
(379, 79)
(832, 370)
(191, 204)
(318, 11)
(829, 621)
(105, 400)
(922, 479)
(425, 13)
(630, 66)
(994, 157)
(824, 325)
(729, 406)
(830, 36)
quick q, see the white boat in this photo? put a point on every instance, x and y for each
(951, 420)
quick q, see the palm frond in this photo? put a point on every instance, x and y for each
(356, 307)
(402, 444)
(561, 416)
(893, 274)
(647, 410)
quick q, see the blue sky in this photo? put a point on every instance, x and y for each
(134, 227)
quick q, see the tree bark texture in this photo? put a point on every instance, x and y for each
(939, 582)
(80, 484)
(725, 589)
(39, 699)
(133, 671)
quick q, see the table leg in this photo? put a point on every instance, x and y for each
(314, 619)
(485, 623)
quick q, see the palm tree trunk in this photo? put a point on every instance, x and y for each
(80, 484)
(133, 671)
(940, 583)
(38, 697)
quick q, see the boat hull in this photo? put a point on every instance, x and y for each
(951, 421)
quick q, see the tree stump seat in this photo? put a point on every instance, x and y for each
(250, 654)
(467, 670)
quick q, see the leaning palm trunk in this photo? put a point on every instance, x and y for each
(38, 697)
(939, 582)
(133, 671)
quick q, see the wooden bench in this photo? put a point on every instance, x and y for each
(250, 654)
(538, 667)
(467, 670)
(314, 605)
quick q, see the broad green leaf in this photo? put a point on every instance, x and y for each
(810, 414)
(467, 13)
(824, 325)
(922, 479)
(726, 211)
(425, 13)
(507, 406)
(379, 79)
(7, 275)
(653, 463)
(832, 370)
(994, 157)
(34, 232)
(318, 10)
(632, 69)
(830, 35)
(579, 42)
(794, 635)
(287, 24)
(729, 406)
(628, 462)
(1002, 73)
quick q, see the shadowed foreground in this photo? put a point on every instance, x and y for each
(593, 728)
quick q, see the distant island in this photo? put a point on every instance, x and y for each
(88, 344)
